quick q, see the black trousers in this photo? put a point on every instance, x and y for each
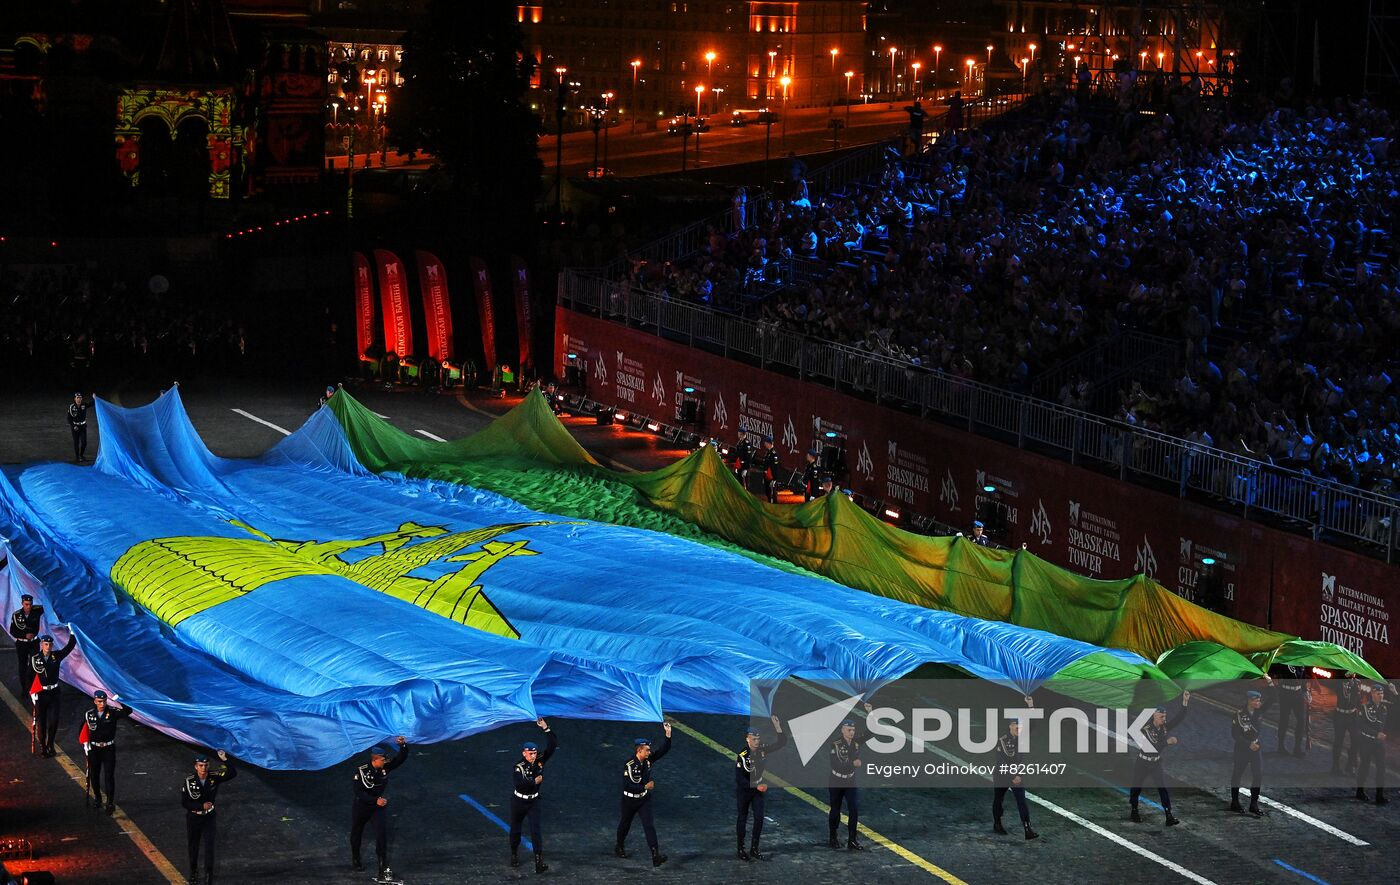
(1017, 793)
(833, 818)
(1344, 726)
(200, 830)
(102, 765)
(746, 798)
(373, 816)
(1250, 759)
(637, 808)
(1292, 708)
(1144, 773)
(521, 810)
(46, 716)
(1372, 750)
(24, 651)
(79, 441)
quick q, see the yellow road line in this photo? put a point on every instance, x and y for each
(884, 842)
(126, 824)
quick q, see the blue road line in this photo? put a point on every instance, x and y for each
(491, 816)
(1306, 875)
(1125, 791)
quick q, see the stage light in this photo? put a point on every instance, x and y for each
(689, 389)
(1322, 673)
(892, 514)
(636, 421)
(573, 356)
(989, 489)
(831, 434)
(619, 416)
(573, 403)
(604, 416)
(1207, 560)
(654, 426)
(690, 440)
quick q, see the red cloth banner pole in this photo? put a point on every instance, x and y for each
(398, 330)
(524, 321)
(481, 282)
(364, 304)
(437, 305)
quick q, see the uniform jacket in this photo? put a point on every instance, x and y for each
(369, 782)
(102, 727)
(749, 764)
(194, 792)
(637, 772)
(526, 772)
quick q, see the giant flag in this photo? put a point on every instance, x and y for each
(296, 608)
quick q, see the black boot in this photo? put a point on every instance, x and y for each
(109, 807)
(1380, 796)
(853, 844)
(657, 858)
(1361, 795)
(997, 827)
(619, 850)
(540, 865)
(1235, 805)
(1134, 816)
(194, 876)
(753, 849)
(515, 855)
(356, 865)
(1030, 834)
(386, 875)
(1172, 819)
(1255, 810)
(743, 855)
(831, 840)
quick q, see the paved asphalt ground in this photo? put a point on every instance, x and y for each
(290, 826)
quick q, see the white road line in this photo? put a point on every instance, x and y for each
(1063, 812)
(432, 436)
(385, 417)
(1115, 838)
(251, 417)
(1272, 803)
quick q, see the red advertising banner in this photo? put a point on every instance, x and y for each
(520, 277)
(364, 303)
(1091, 523)
(398, 328)
(486, 310)
(437, 305)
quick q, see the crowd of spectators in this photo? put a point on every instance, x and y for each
(73, 324)
(1259, 234)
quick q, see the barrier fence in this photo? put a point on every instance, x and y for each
(1323, 508)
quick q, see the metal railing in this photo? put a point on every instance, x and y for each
(1318, 506)
(1131, 355)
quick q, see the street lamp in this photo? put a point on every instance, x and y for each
(607, 102)
(1142, 60)
(893, 50)
(849, 75)
(699, 91)
(636, 63)
(937, 52)
(971, 69)
(1160, 56)
(785, 81)
(834, 52)
(1032, 48)
(559, 143)
(1024, 62)
(381, 104)
(989, 55)
(916, 66)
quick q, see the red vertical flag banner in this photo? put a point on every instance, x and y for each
(520, 276)
(364, 304)
(437, 305)
(481, 281)
(398, 330)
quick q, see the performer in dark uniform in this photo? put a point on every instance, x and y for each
(326, 397)
(1373, 724)
(1293, 701)
(24, 627)
(1147, 767)
(844, 764)
(1344, 722)
(77, 422)
(637, 785)
(198, 795)
(525, 801)
(1246, 729)
(101, 722)
(740, 456)
(368, 805)
(767, 462)
(979, 534)
(811, 477)
(46, 666)
(1004, 777)
(750, 790)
